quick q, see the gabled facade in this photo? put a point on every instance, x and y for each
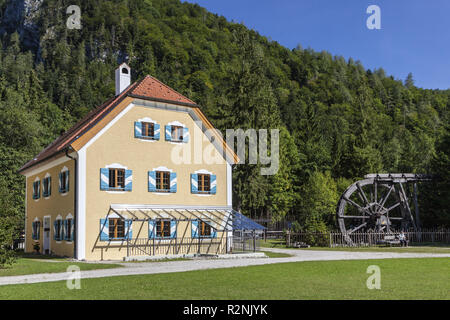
(113, 186)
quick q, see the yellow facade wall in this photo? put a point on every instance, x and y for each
(54, 205)
(117, 145)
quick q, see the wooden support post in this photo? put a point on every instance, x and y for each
(416, 206)
(226, 242)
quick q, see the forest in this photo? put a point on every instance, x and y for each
(338, 120)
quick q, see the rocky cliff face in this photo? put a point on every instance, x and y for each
(21, 16)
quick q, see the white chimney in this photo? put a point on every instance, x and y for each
(123, 78)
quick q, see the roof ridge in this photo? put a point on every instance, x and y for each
(166, 87)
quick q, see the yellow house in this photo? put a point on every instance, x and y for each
(143, 174)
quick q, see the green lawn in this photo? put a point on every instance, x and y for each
(273, 243)
(34, 265)
(400, 279)
(271, 254)
(419, 248)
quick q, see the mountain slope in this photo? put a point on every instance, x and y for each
(335, 115)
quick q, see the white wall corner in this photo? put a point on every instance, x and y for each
(81, 205)
(229, 185)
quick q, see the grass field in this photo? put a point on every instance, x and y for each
(33, 265)
(271, 254)
(29, 264)
(423, 248)
(426, 278)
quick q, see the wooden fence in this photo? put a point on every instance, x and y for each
(363, 239)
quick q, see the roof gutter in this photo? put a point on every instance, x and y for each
(164, 100)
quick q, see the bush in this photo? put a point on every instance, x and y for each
(9, 222)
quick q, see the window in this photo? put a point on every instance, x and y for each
(46, 186)
(58, 235)
(163, 228)
(116, 228)
(204, 229)
(68, 229)
(36, 189)
(64, 181)
(148, 129)
(36, 228)
(163, 181)
(204, 182)
(177, 133)
(117, 178)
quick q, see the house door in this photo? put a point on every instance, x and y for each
(46, 235)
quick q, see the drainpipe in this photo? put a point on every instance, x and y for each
(74, 204)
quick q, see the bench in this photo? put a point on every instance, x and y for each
(391, 240)
(300, 245)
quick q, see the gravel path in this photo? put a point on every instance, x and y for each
(201, 264)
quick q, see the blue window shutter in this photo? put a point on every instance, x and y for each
(194, 183)
(104, 230)
(185, 135)
(157, 131)
(128, 229)
(72, 230)
(137, 129)
(194, 229)
(43, 191)
(213, 184)
(151, 229)
(67, 181)
(128, 180)
(44, 194)
(38, 231)
(38, 189)
(104, 179)
(59, 182)
(213, 233)
(33, 235)
(168, 130)
(54, 230)
(49, 184)
(173, 182)
(66, 232)
(173, 228)
(35, 190)
(61, 230)
(152, 181)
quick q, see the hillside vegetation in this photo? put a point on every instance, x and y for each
(338, 121)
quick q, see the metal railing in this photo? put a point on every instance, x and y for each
(173, 246)
(246, 241)
(364, 239)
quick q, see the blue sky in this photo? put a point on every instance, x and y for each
(414, 35)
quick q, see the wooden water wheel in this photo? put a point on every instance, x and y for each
(380, 203)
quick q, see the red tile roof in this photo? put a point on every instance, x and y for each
(148, 88)
(152, 87)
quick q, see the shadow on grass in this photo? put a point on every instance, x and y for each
(29, 255)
